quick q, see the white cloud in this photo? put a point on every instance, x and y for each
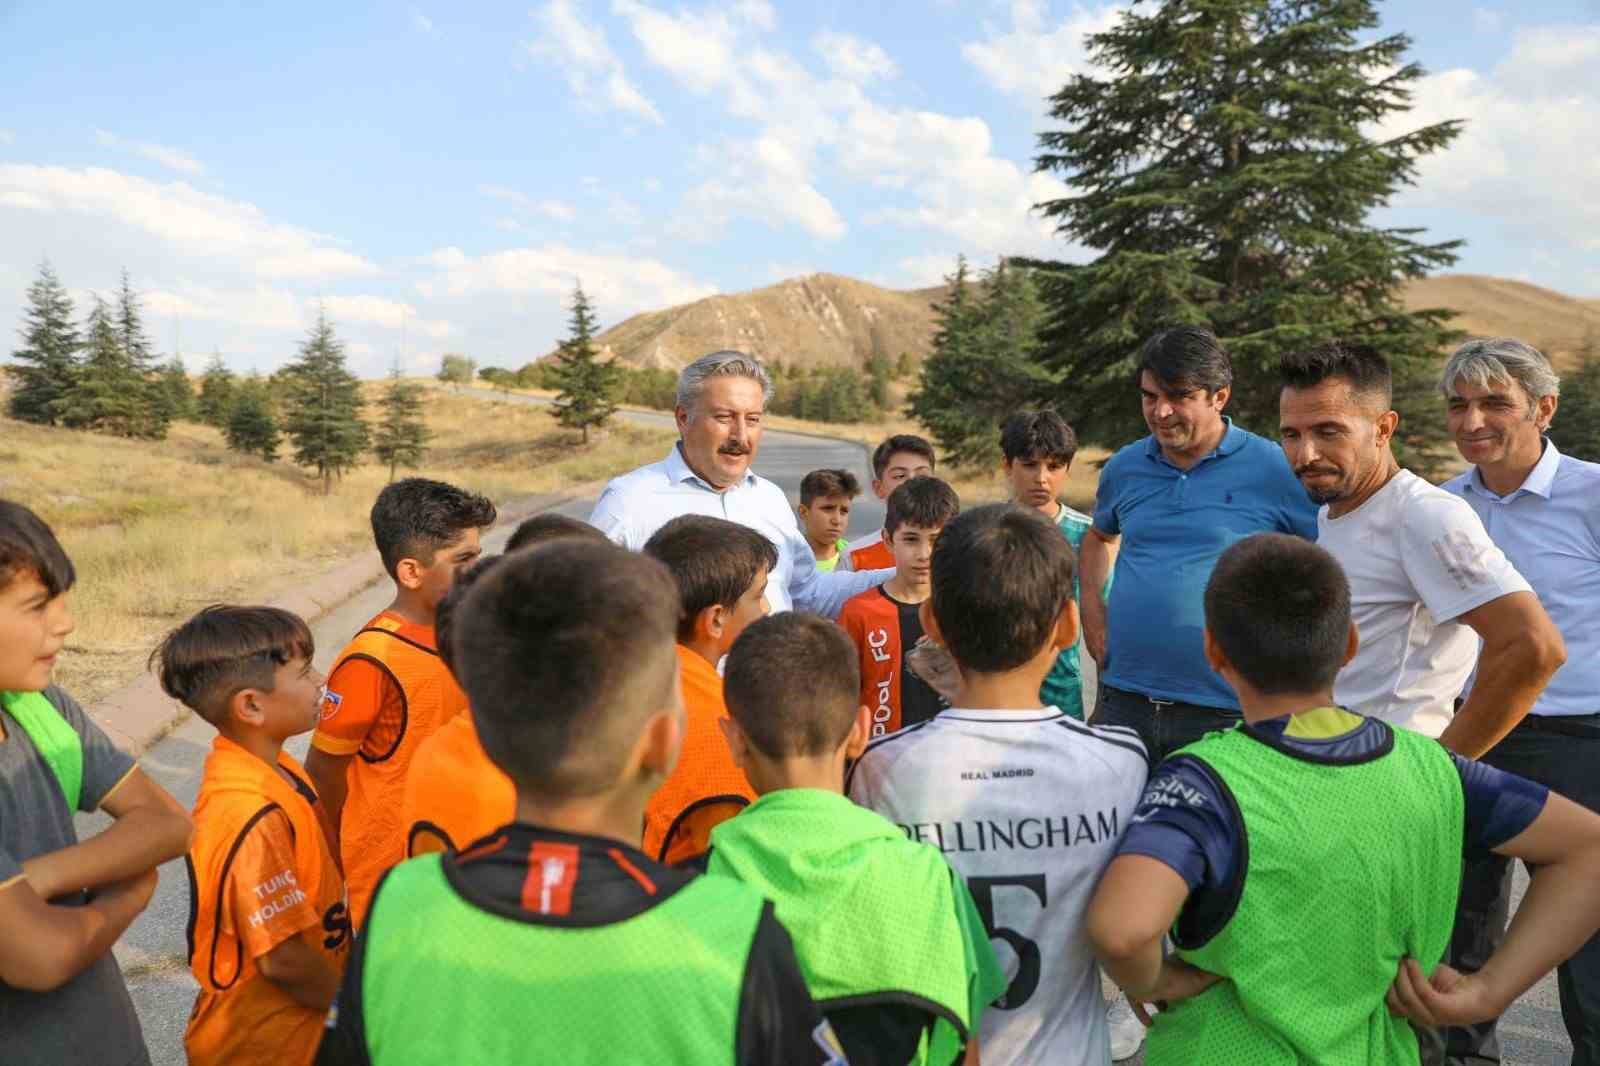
(378, 311)
(593, 71)
(620, 284)
(555, 210)
(762, 178)
(1033, 60)
(853, 59)
(261, 307)
(421, 22)
(171, 158)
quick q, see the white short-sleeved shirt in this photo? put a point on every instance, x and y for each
(1417, 558)
(1028, 806)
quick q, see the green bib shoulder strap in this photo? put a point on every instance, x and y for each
(53, 735)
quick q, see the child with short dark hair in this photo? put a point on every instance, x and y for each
(1026, 803)
(721, 570)
(63, 903)
(556, 939)
(824, 512)
(269, 929)
(547, 526)
(394, 690)
(1037, 448)
(895, 461)
(887, 934)
(1356, 833)
(885, 622)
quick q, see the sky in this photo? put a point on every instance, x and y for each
(438, 177)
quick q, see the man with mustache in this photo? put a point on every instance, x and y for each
(1167, 506)
(1538, 506)
(1425, 578)
(721, 399)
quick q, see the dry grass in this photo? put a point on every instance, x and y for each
(157, 530)
(1553, 321)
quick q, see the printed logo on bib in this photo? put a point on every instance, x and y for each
(552, 871)
(277, 894)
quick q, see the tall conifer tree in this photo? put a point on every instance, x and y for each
(322, 406)
(586, 388)
(400, 437)
(1225, 160)
(252, 425)
(218, 387)
(44, 367)
(140, 356)
(107, 395)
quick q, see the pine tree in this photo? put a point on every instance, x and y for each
(176, 391)
(49, 356)
(252, 425)
(586, 388)
(1226, 162)
(985, 362)
(323, 406)
(136, 349)
(400, 436)
(218, 388)
(1576, 429)
(107, 394)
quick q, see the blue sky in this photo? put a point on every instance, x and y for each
(438, 176)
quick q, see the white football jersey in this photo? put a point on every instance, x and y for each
(1028, 806)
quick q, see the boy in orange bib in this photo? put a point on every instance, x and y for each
(269, 929)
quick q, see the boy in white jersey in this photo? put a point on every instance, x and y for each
(1026, 803)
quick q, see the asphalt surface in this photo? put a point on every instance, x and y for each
(153, 951)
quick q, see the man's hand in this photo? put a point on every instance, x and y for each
(1178, 981)
(1449, 998)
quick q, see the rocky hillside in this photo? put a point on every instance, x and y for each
(829, 320)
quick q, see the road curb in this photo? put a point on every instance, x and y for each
(139, 714)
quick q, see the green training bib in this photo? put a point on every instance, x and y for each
(54, 736)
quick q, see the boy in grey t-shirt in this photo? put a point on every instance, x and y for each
(64, 903)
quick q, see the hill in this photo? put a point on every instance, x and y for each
(830, 320)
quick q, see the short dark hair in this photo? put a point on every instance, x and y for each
(28, 545)
(1188, 357)
(1279, 608)
(714, 562)
(900, 442)
(416, 516)
(564, 649)
(225, 649)
(825, 483)
(1043, 435)
(549, 526)
(924, 502)
(1002, 575)
(444, 617)
(793, 683)
(1361, 365)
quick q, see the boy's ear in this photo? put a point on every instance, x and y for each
(245, 707)
(710, 622)
(1352, 644)
(408, 574)
(930, 624)
(1215, 656)
(1067, 626)
(738, 743)
(860, 733)
(656, 751)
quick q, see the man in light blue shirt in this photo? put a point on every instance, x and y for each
(1167, 506)
(721, 399)
(1540, 508)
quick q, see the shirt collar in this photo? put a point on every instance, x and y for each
(1232, 440)
(1540, 480)
(679, 471)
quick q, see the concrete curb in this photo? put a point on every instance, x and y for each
(139, 714)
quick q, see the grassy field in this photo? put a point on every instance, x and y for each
(159, 529)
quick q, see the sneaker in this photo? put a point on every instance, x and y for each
(1127, 1031)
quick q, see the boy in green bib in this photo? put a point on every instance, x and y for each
(891, 945)
(554, 938)
(1306, 862)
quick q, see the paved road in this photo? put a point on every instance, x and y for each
(152, 953)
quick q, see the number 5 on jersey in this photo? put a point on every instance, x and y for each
(1015, 891)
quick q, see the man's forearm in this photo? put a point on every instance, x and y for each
(1510, 677)
(826, 593)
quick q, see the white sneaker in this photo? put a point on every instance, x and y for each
(1127, 1031)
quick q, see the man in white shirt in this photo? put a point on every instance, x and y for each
(1424, 576)
(721, 399)
(1539, 508)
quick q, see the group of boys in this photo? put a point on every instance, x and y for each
(576, 803)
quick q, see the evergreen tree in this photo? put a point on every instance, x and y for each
(176, 391)
(218, 388)
(586, 388)
(1576, 429)
(400, 436)
(323, 406)
(252, 426)
(107, 394)
(879, 371)
(1226, 160)
(136, 349)
(985, 362)
(48, 358)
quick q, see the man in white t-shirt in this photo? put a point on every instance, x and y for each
(1426, 582)
(1026, 803)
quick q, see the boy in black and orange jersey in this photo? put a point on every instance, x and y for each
(394, 690)
(894, 462)
(269, 930)
(884, 623)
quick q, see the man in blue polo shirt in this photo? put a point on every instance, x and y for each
(1167, 506)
